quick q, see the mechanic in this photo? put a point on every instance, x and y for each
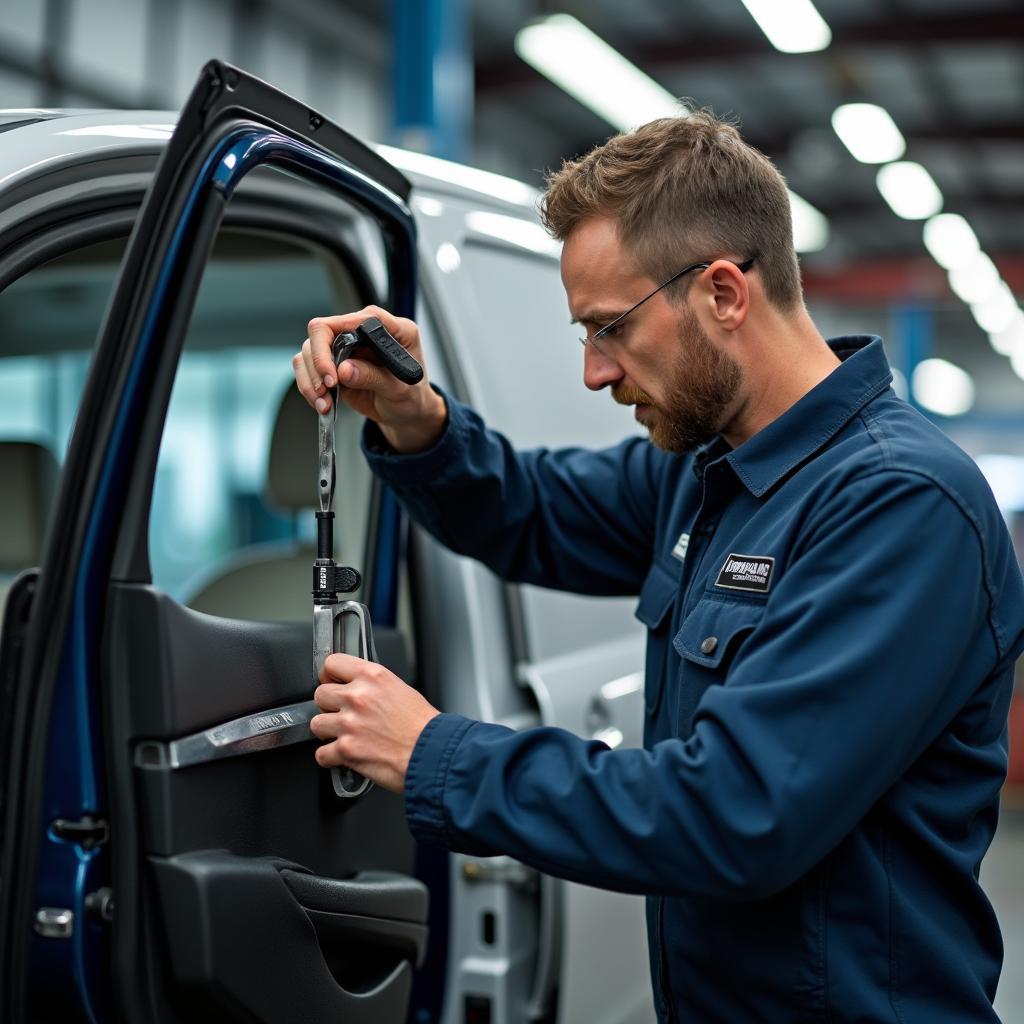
(833, 604)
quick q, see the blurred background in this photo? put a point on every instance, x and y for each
(897, 124)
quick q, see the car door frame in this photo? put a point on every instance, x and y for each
(231, 123)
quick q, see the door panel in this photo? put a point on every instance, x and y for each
(240, 883)
(216, 924)
(208, 671)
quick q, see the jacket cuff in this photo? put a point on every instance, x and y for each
(422, 466)
(426, 776)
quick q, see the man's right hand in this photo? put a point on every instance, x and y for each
(411, 417)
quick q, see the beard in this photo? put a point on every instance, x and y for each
(700, 385)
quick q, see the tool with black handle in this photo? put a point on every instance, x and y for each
(340, 625)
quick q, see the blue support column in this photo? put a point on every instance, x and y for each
(432, 76)
(913, 330)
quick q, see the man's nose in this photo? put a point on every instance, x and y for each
(598, 370)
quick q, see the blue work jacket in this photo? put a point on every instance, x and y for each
(834, 610)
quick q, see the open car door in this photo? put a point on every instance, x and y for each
(170, 847)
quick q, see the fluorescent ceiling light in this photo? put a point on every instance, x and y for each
(490, 184)
(997, 311)
(792, 26)
(1010, 340)
(942, 388)
(592, 72)
(586, 67)
(1017, 362)
(519, 232)
(899, 383)
(810, 226)
(975, 281)
(868, 132)
(951, 240)
(1005, 475)
(909, 189)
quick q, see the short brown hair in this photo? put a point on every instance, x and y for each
(683, 189)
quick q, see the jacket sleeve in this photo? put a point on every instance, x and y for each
(571, 519)
(874, 637)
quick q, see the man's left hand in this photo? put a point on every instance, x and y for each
(371, 718)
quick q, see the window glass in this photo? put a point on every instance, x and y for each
(223, 537)
(50, 319)
(232, 529)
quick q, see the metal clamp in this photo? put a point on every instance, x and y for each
(343, 628)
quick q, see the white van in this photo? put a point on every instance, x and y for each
(169, 845)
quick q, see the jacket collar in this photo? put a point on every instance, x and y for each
(764, 459)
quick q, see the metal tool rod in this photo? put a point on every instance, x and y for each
(331, 614)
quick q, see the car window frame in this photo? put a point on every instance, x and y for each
(135, 362)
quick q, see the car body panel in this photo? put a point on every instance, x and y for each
(505, 655)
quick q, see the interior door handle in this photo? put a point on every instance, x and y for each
(243, 944)
(369, 894)
(377, 908)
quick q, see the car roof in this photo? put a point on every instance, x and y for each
(52, 137)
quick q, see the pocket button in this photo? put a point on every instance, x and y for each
(708, 644)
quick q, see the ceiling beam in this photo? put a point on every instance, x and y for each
(697, 49)
(778, 143)
(895, 279)
(967, 202)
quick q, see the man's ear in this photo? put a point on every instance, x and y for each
(726, 293)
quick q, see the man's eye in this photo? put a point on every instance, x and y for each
(612, 331)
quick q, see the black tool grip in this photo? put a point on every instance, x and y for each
(373, 333)
(330, 580)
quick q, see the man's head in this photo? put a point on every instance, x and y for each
(635, 211)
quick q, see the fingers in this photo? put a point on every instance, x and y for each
(329, 696)
(308, 380)
(341, 706)
(320, 358)
(403, 330)
(337, 749)
(332, 755)
(315, 371)
(369, 720)
(343, 668)
(359, 375)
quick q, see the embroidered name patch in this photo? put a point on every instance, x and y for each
(746, 572)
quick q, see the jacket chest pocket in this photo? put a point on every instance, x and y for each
(707, 643)
(654, 609)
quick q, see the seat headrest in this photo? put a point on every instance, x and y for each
(28, 477)
(293, 461)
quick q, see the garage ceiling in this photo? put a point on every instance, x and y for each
(950, 72)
